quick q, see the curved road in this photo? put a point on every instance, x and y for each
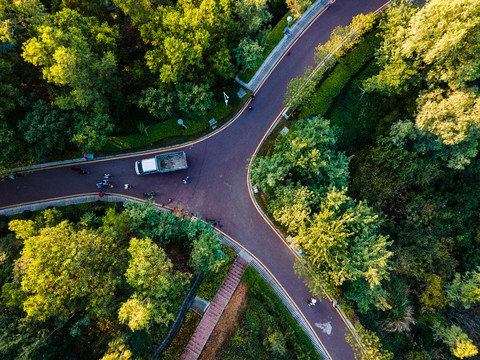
(218, 190)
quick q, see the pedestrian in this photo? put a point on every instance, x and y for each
(98, 185)
(330, 3)
(252, 96)
(187, 178)
(12, 176)
(126, 186)
(184, 181)
(250, 108)
(105, 182)
(101, 194)
(288, 54)
(312, 302)
(169, 200)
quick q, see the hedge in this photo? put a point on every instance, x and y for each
(339, 77)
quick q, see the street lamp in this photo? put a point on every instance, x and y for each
(289, 19)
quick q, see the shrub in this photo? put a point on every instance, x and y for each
(212, 282)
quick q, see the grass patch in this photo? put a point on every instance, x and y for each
(180, 341)
(268, 330)
(212, 282)
(274, 38)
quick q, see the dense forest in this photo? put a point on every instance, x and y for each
(73, 72)
(95, 281)
(379, 186)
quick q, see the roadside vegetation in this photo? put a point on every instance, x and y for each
(267, 330)
(99, 281)
(77, 77)
(377, 181)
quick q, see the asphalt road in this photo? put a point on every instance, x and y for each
(218, 188)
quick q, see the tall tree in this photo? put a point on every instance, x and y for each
(342, 244)
(44, 130)
(77, 55)
(16, 16)
(65, 271)
(90, 132)
(444, 49)
(189, 41)
(158, 288)
(207, 255)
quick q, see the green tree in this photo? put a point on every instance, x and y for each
(207, 255)
(291, 206)
(452, 118)
(7, 81)
(253, 14)
(342, 244)
(297, 7)
(248, 53)
(458, 342)
(159, 102)
(189, 41)
(148, 221)
(44, 130)
(138, 10)
(444, 49)
(65, 271)
(77, 55)
(433, 296)
(91, 132)
(464, 289)
(305, 155)
(158, 288)
(194, 100)
(15, 16)
(399, 317)
(9, 145)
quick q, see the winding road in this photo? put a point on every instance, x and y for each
(218, 189)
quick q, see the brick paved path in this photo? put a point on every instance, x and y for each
(215, 310)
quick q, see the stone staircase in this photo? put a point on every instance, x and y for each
(215, 310)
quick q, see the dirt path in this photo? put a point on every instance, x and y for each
(228, 324)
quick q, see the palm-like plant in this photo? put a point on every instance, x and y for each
(399, 317)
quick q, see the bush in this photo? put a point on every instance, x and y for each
(212, 282)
